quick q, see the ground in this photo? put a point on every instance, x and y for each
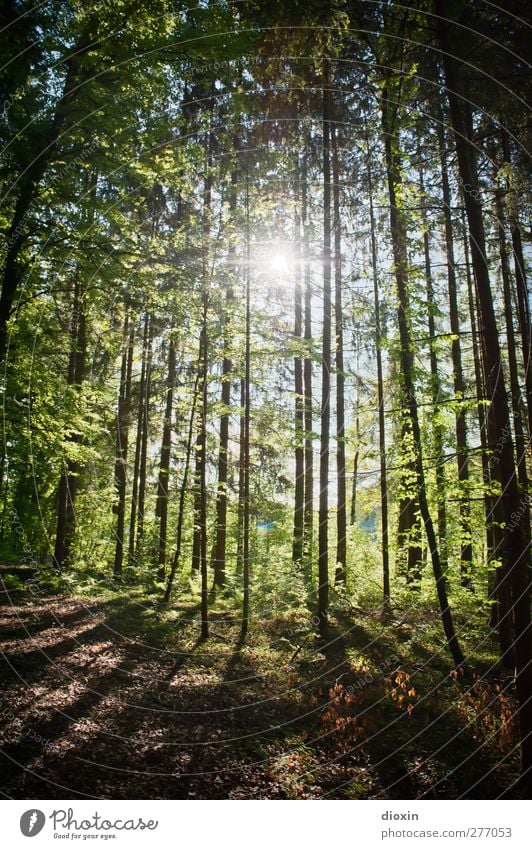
(115, 696)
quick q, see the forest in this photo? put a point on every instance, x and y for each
(266, 376)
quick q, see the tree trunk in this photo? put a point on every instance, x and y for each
(122, 435)
(299, 423)
(435, 382)
(241, 449)
(246, 430)
(398, 233)
(409, 549)
(204, 348)
(308, 519)
(462, 454)
(409, 559)
(523, 296)
(183, 491)
(385, 545)
(196, 534)
(138, 442)
(354, 482)
(341, 513)
(323, 520)
(202, 454)
(161, 509)
(68, 484)
(498, 586)
(144, 447)
(219, 550)
(519, 431)
(516, 559)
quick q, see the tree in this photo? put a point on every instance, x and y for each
(299, 412)
(161, 510)
(341, 512)
(398, 235)
(515, 558)
(462, 454)
(122, 439)
(323, 520)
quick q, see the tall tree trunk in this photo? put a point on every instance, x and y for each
(341, 513)
(462, 454)
(202, 453)
(161, 509)
(516, 559)
(409, 558)
(409, 549)
(435, 382)
(323, 513)
(138, 442)
(523, 295)
(385, 545)
(308, 518)
(204, 347)
(398, 232)
(68, 483)
(241, 451)
(498, 584)
(183, 491)
(143, 462)
(196, 533)
(299, 423)
(219, 549)
(354, 482)
(122, 435)
(246, 429)
(515, 388)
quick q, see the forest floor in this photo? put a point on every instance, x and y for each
(115, 696)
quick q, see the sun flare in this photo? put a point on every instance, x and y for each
(280, 262)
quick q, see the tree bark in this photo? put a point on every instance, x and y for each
(219, 550)
(523, 295)
(323, 512)
(138, 442)
(515, 388)
(241, 460)
(161, 508)
(341, 512)
(183, 491)
(69, 481)
(122, 436)
(356, 456)
(398, 233)
(308, 518)
(204, 348)
(435, 382)
(299, 423)
(498, 584)
(462, 454)
(385, 545)
(143, 463)
(515, 557)
(246, 431)
(202, 454)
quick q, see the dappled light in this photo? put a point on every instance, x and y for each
(266, 396)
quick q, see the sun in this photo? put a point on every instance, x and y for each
(279, 262)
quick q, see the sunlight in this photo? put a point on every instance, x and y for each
(280, 262)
